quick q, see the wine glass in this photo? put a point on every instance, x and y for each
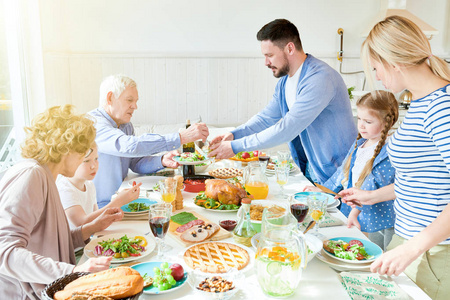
(282, 175)
(299, 207)
(168, 190)
(317, 204)
(283, 157)
(159, 219)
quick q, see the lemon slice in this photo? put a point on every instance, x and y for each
(143, 240)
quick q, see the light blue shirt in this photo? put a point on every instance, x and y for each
(119, 150)
(372, 217)
(319, 126)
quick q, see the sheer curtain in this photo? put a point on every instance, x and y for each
(26, 76)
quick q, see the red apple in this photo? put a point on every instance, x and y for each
(177, 271)
(245, 155)
(256, 153)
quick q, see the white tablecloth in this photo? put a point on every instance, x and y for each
(319, 281)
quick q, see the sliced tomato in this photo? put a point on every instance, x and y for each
(357, 242)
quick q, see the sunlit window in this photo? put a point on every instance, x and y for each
(6, 115)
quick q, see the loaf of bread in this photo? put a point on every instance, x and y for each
(115, 283)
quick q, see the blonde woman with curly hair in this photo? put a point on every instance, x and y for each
(367, 166)
(419, 151)
(36, 243)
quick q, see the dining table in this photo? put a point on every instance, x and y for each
(318, 281)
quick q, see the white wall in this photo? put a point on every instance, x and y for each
(197, 55)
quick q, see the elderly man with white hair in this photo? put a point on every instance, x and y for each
(119, 149)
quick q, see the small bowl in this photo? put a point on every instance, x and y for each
(202, 169)
(233, 275)
(228, 225)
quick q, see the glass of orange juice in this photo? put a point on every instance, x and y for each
(168, 190)
(317, 207)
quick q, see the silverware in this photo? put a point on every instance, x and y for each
(310, 225)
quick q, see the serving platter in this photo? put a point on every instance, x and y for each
(191, 163)
(371, 249)
(89, 249)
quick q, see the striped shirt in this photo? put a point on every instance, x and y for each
(420, 153)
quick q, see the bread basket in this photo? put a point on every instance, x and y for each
(59, 284)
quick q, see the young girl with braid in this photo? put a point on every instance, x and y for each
(367, 166)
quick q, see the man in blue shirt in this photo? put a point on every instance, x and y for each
(310, 108)
(119, 149)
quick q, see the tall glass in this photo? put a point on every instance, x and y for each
(168, 190)
(283, 157)
(159, 219)
(282, 175)
(317, 207)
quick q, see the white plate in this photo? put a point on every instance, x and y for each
(333, 205)
(89, 249)
(251, 254)
(191, 163)
(148, 182)
(342, 266)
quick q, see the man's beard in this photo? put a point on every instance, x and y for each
(284, 70)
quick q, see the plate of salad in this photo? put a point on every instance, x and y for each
(352, 250)
(138, 205)
(166, 283)
(246, 156)
(190, 158)
(123, 247)
(213, 205)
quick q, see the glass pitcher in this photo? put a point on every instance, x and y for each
(255, 180)
(281, 254)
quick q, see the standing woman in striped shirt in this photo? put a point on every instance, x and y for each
(400, 54)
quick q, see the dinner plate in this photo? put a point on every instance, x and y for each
(146, 201)
(89, 249)
(331, 200)
(342, 266)
(251, 254)
(191, 163)
(147, 267)
(371, 249)
(148, 182)
(333, 205)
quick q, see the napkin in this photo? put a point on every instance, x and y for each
(327, 221)
(367, 286)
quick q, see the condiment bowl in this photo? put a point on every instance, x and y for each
(233, 275)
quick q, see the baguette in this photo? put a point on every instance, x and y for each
(117, 284)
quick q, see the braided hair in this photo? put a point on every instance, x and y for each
(385, 107)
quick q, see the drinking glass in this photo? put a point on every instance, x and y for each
(283, 157)
(317, 207)
(282, 175)
(299, 207)
(168, 190)
(159, 219)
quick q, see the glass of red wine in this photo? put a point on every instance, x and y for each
(299, 208)
(159, 219)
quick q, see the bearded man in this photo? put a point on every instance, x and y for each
(310, 109)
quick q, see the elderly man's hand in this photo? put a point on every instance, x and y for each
(167, 160)
(221, 150)
(224, 137)
(195, 132)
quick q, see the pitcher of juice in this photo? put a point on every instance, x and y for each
(255, 180)
(281, 254)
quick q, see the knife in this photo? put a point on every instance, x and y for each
(326, 190)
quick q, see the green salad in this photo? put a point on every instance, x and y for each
(138, 206)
